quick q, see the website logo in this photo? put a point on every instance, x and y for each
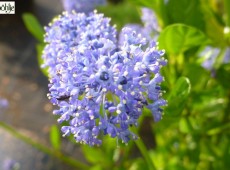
(7, 7)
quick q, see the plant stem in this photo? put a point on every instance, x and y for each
(57, 154)
(141, 146)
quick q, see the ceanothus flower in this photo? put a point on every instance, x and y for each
(85, 6)
(101, 88)
(71, 29)
(135, 27)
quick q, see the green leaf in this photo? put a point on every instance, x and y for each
(109, 148)
(219, 129)
(129, 13)
(40, 48)
(223, 75)
(55, 137)
(209, 106)
(185, 11)
(177, 38)
(145, 3)
(214, 28)
(197, 75)
(138, 164)
(33, 26)
(96, 167)
(227, 11)
(178, 96)
(185, 125)
(95, 155)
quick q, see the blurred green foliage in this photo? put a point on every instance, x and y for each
(34, 27)
(195, 130)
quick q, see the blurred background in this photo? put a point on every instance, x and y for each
(194, 133)
(24, 86)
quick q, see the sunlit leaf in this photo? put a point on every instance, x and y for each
(177, 38)
(96, 167)
(33, 26)
(139, 164)
(95, 155)
(185, 125)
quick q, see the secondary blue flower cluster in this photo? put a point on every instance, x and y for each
(99, 87)
(209, 55)
(3, 104)
(85, 6)
(149, 20)
(9, 164)
(150, 27)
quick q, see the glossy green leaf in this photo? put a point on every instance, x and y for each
(33, 26)
(197, 75)
(177, 38)
(178, 96)
(55, 137)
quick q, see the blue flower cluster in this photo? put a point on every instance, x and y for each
(85, 6)
(100, 87)
(72, 32)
